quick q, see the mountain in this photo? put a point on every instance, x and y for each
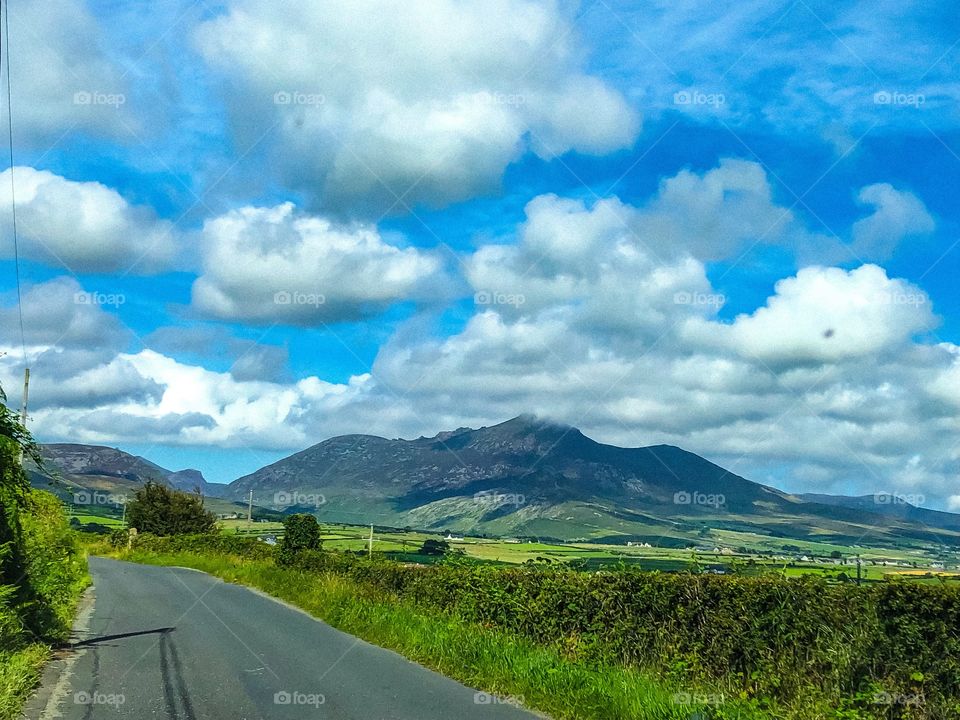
(72, 470)
(533, 477)
(890, 505)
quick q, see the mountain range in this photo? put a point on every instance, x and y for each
(530, 477)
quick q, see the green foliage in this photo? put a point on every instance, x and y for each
(42, 573)
(793, 641)
(301, 533)
(206, 543)
(434, 547)
(11, 429)
(161, 510)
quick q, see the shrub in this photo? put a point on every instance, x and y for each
(301, 533)
(161, 510)
(434, 547)
(42, 572)
(205, 543)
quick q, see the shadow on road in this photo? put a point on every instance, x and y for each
(120, 636)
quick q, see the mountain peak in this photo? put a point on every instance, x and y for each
(528, 422)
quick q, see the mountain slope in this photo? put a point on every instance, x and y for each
(72, 469)
(532, 477)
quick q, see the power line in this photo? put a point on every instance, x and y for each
(5, 56)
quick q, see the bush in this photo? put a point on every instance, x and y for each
(434, 547)
(42, 573)
(206, 543)
(301, 533)
(161, 510)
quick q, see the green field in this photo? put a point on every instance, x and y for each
(745, 553)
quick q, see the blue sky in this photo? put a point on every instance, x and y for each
(727, 226)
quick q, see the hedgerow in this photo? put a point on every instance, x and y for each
(42, 573)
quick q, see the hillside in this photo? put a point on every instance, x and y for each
(74, 470)
(537, 478)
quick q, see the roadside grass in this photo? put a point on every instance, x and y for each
(480, 657)
(19, 673)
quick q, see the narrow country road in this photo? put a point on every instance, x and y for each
(168, 643)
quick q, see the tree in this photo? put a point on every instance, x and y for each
(836, 554)
(434, 547)
(162, 510)
(301, 532)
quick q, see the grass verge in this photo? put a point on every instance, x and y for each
(476, 656)
(19, 674)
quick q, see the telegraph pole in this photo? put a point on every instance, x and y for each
(250, 511)
(370, 543)
(26, 391)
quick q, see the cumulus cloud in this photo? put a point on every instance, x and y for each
(437, 99)
(827, 314)
(267, 265)
(249, 359)
(60, 313)
(83, 226)
(896, 215)
(189, 405)
(62, 78)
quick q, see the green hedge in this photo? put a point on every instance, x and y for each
(799, 641)
(208, 543)
(42, 573)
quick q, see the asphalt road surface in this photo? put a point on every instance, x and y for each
(165, 643)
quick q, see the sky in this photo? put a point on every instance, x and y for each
(247, 226)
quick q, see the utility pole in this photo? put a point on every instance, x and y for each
(250, 511)
(859, 570)
(370, 543)
(26, 391)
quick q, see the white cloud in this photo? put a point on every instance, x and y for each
(60, 313)
(83, 226)
(276, 265)
(827, 314)
(62, 78)
(896, 215)
(437, 98)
